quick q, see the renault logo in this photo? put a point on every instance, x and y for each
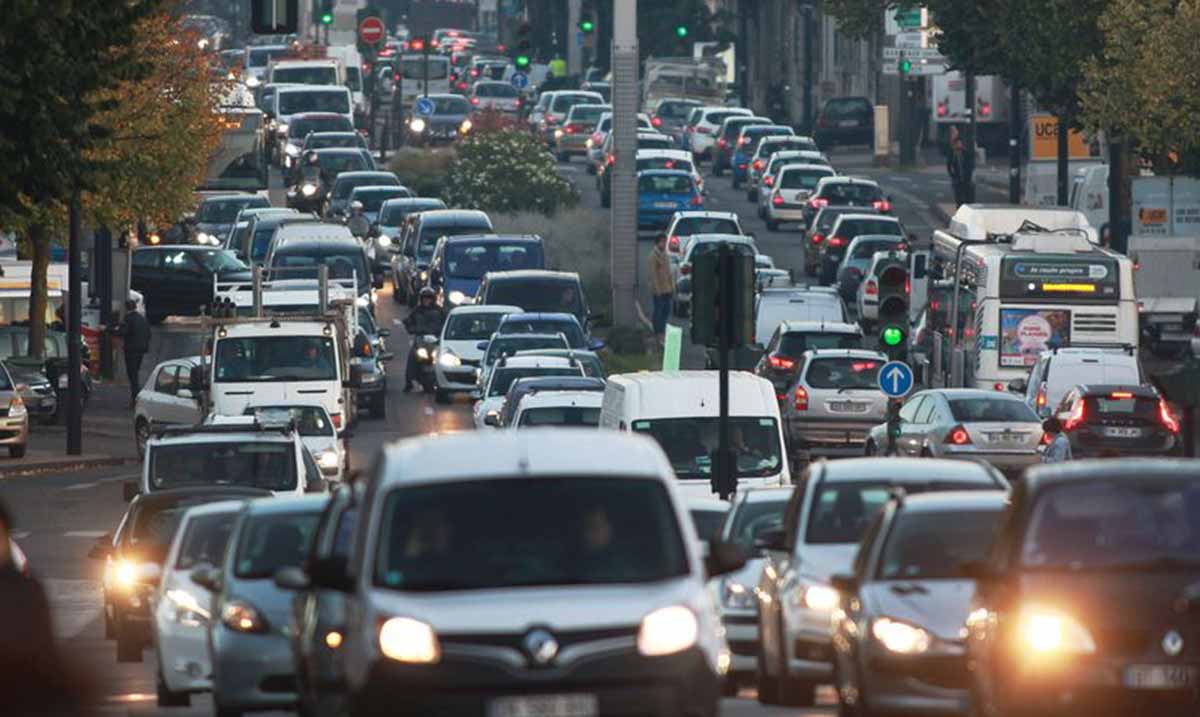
(1172, 643)
(541, 647)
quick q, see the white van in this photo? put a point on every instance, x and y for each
(415, 82)
(305, 72)
(296, 99)
(680, 410)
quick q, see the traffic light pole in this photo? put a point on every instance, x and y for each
(724, 475)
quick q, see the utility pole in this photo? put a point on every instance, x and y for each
(574, 37)
(1014, 145)
(969, 140)
(742, 54)
(908, 152)
(624, 249)
(810, 36)
(74, 329)
(1064, 160)
(1118, 219)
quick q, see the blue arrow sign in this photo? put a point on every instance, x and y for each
(519, 80)
(895, 379)
(424, 106)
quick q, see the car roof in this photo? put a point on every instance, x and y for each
(542, 399)
(851, 216)
(168, 495)
(482, 309)
(536, 452)
(691, 213)
(807, 167)
(1091, 352)
(317, 115)
(288, 504)
(190, 360)
(313, 234)
(958, 393)
(1095, 389)
(715, 505)
(672, 153)
(339, 151)
(954, 501)
(526, 274)
(494, 239)
(845, 353)
(536, 361)
(664, 173)
(765, 495)
(368, 188)
(827, 327)
(226, 196)
(1046, 475)
(232, 505)
(900, 470)
(436, 217)
(843, 179)
(335, 133)
(713, 238)
(178, 247)
(539, 316)
(359, 173)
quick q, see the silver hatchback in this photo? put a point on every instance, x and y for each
(833, 402)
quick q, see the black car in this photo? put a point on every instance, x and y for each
(1089, 602)
(818, 228)
(337, 204)
(372, 391)
(722, 151)
(842, 191)
(300, 126)
(410, 266)
(846, 228)
(791, 339)
(133, 558)
(1126, 420)
(539, 291)
(261, 231)
(444, 124)
(178, 280)
(317, 171)
(845, 120)
(216, 214)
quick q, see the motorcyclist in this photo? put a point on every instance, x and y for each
(427, 318)
(357, 223)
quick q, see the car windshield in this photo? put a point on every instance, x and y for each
(1144, 524)
(754, 518)
(496, 89)
(302, 75)
(687, 226)
(534, 531)
(275, 358)
(345, 264)
(225, 211)
(455, 105)
(301, 128)
(509, 345)
(795, 343)
(867, 249)
(205, 540)
(391, 216)
(708, 522)
(295, 102)
(567, 327)
(334, 140)
(310, 421)
(335, 163)
(372, 200)
(665, 184)
(219, 260)
(560, 416)
(273, 541)
(840, 193)
(542, 295)
(844, 373)
(260, 57)
(346, 185)
(472, 261)
(802, 178)
(982, 410)
(690, 443)
(562, 103)
(270, 465)
(929, 545)
(503, 376)
(587, 114)
(471, 327)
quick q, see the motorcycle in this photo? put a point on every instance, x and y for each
(426, 347)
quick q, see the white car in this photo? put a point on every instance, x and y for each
(182, 608)
(595, 143)
(703, 135)
(801, 303)
(684, 224)
(166, 399)
(791, 186)
(767, 148)
(683, 270)
(777, 160)
(459, 355)
(585, 585)
(1057, 371)
(558, 409)
(508, 369)
(316, 430)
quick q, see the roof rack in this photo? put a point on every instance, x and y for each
(209, 429)
(1128, 349)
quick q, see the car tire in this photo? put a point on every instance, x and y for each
(870, 449)
(141, 435)
(219, 711)
(398, 295)
(441, 396)
(16, 451)
(772, 225)
(797, 693)
(129, 648)
(167, 698)
(591, 169)
(729, 686)
(110, 630)
(717, 170)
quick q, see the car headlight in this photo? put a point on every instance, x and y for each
(292, 150)
(465, 126)
(404, 639)
(371, 377)
(1046, 631)
(16, 408)
(900, 637)
(308, 189)
(667, 631)
(242, 617)
(449, 359)
(384, 241)
(281, 128)
(253, 82)
(424, 276)
(362, 302)
(417, 125)
(64, 381)
(457, 297)
(736, 596)
(203, 237)
(422, 353)
(558, 133)
(588, 143)
(816, 597)
(186, 609)
(329, 460)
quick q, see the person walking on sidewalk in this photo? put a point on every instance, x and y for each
(956, 167)
(135, 330)
(662, 287)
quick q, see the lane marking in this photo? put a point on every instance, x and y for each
(21, 534)
(82, 486)
(118, 479)
(84, 533)
(75, 604)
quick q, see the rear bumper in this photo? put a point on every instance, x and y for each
(785, 213)
(1093, 688)
(183, 656)
(831, 437)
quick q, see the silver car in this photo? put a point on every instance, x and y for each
(966, 423)
(833, 402)
(898, 646)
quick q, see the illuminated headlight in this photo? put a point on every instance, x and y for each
(202, 43)
(63, 382)
(281, 128)
(1046, 632)
(308, 190)
(817, 597)
(384, 241)
(422, 353)
(736, 596)
(329, 461)
(424, 276)
(900, 637)
(242, 617)
(449, 359)
(667, 631)
(253, 82)
(205, 238)
(292, 150)
(457, 297)
(404, 639)
(371, 377)
(187, 610)
(558, 133)
(588, 143)
(465, 126)
(417, 125)
(16, 407)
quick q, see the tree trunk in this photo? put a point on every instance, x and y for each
(1064, 166)
(39, 247)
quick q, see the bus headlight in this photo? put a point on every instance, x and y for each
(417, 125)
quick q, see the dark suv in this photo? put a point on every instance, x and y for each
(846, 120)
(1128, 420)
(789, 342)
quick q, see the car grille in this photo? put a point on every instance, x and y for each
(5, 435)
(516, 640)
(1137, 642)
(949, 673)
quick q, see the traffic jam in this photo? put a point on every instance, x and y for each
(394, 460)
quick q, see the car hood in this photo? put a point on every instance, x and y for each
(823, 561)
(939, 606)
(319, 444)
(272, 603)
(515, 610)
(467, 349)
(470, 287)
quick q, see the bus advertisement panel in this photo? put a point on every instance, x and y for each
(1026, 333)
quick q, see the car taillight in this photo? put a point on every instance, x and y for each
(696, 200)
(777, 200)
(769, 180)
(871, 288)
(337, 421)
(475, 100)
(1076, 417)
(818, 238)
(597, 138)
(550, 119)
(997, 386)
(781, 362)
(462, 85)
(610, 160)
(685, 269)
(722, 143)
(758, 165)
(800, 399)
(743, 141)
(704, 130)
(818, 202)
(569, 129)
(1047, 438)
(837, 241)
(1166, 418)
(943, 109)
(985, 109)
(958, 436)
(882, 205)
(656, 121)
(1041, 396)
(673, 243)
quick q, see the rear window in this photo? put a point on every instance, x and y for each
(675, 109)
(343, 187)
(654, 143)
(868, 249)
(983, 410)
(300, 129)
(857, 227)
(851, 193)
(795, 343)
(688, 226)
(665, 184)
(588, 113)
(204, 542)
(718, 117)
(845, 109)
(560, 416)
(842, 510)
(802, 178)
(1121, 405)
(533, 294)
(682, 165)
(844, 372)
(502, 378)
(496, 90)
(271, 542)
(562, 103)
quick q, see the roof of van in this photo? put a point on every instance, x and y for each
(289, 88)
(494, 239)
(682, 394)
(446, 217)
(977, 221)
(313, 232)
(525, 274)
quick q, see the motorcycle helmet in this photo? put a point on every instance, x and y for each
(356, 206)
(427, 293)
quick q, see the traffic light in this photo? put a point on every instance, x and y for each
(522, 58)
(681, 31)
(904, 66)
(274, 17)
(326, 15)
(894, 321)
(707, 277)
(587, 25)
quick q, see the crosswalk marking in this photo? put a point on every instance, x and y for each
(75, 604)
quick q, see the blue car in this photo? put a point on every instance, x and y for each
(747, 145)
(661, 193)
(459, 262)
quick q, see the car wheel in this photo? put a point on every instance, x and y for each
(167, 698)
(129, 648)
(591, 169)
(796, 693)
(772, 225)
(16, 451)
(110, 630)
(141, 434)
(842, 687)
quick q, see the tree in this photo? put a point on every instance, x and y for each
(507, 171)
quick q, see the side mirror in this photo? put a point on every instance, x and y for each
(102, 547)
(291, 578)
(129, 490)
(207, 577)
(384, 332)
(492, 419)
(387, 356)
(197, 379)
(724, 557)
(845, 584)
(596, 344)
(186, 393)
(771, 540)
(482, 345)
(355, 378)
(1018, 385)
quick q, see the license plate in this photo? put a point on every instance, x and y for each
(848, 123)
(1123, 432)
(664, 205)
(1159, 677)
(847, 407)
(544, 706)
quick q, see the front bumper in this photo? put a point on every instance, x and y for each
(252, 671)
(370, 392)
(621, 681)
(14, 431)
(41, 405)
(741, 632)
(183, 655)
(462, 378)
(934, 684)
(809, 644)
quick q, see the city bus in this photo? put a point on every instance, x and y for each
(240, 161)
(1040, 282)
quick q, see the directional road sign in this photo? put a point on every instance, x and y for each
(371, 31)
(895, 379)
(424, 106)
(914, 53)
(519, 80)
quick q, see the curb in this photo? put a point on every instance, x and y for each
(66, 464)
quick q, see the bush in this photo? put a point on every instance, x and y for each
(423, 170)
(506, 172)
(576, 240)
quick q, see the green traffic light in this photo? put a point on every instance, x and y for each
(681, 31)
(327, 19)
(892, 336)
(905, 67)
(522, 61)
(587, 25)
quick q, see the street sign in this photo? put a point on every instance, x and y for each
(672, 347)
(895, 379)
(519, 80)
(914, 53)
(910, 18)
(911, 40)
(371, 31)
(919, 67)
(424, 106)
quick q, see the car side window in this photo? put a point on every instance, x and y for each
(167, 381)
(791, 515)
(146, 259)
(867, 545)
(773, 343)
(926, 411)
(908, 413)
(312, 472)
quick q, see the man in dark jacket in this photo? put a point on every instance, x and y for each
(427, 318)
(135, 330)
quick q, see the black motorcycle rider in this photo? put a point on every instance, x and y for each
(427, 318)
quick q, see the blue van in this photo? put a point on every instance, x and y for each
(459, 263)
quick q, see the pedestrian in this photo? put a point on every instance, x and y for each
(956, 167)
(135, 332)
(662, 287)
(558, 66)
(1059, 449)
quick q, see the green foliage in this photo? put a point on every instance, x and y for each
(862, 19)
(968, 34)
(507, 171)
(423, 170)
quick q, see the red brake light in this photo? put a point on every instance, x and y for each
(769, 180)
(1047, 439)
(474, 72)
(669, 164)
(800, 400)
(1166, 417)
(697, 200)
(673, 243)
(462, 85)
(656, 121)
(721, 142)
(999, 387)
(837, 241)
(474, 100)
(1119, 395)
(870, 288)
(743, 140)
(569, 129)
(818, 238)
(935, 305)
(778, 201)
(818, 202)
(1041, 396)
(611, 159)
(550, 119)
(958, 436)
(882, 205)
(685, 269)
(781, 362)
(942, 109)
(985, 109)
(1076, 417)
(337, 420)
(704, 130)
(758, 165)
